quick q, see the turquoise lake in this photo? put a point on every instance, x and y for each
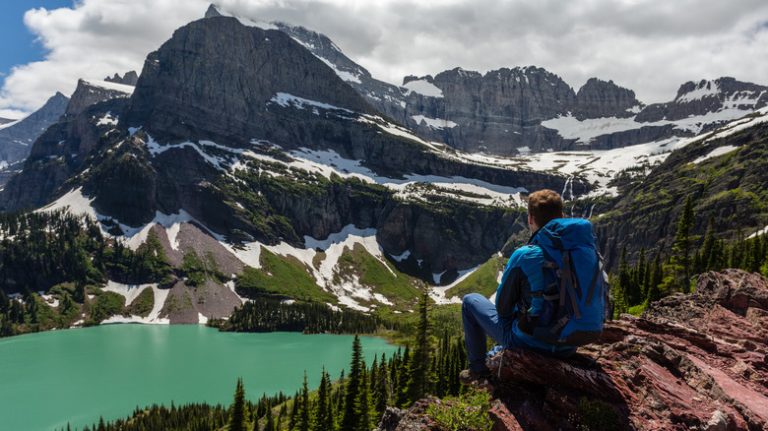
(77, 375)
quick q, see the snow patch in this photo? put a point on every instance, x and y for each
(344, 75)
(154, 316)
(719, 151)
(113, 86)
(438, 293)
(423, 87)
(129, 291)
(702, 90)
(435, 123)
(288, 100)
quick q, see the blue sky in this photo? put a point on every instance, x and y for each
(18, 43)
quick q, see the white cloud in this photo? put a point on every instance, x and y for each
(647, 45)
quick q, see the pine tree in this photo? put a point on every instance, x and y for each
(402, 378)
(419, 379)
(294, 411)
(640, 275)
(270, 426)
(381, 387)
(303, 424)
(363, 410)
(324, 408)
(682, 247)
(350, 419)
(237, 414)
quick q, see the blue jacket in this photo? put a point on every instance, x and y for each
(528, 295)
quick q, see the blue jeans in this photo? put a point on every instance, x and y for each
(480, 319)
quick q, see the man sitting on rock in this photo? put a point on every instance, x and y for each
(552, 296)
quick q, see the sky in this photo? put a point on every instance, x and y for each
(650, 46)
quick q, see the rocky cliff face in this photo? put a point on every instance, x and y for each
(703, 97)
(696, 361)
(210, 54)
(599, 98)
(89, 93)
(16, 139)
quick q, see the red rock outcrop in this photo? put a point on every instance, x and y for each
(697, 361)
(690, 362)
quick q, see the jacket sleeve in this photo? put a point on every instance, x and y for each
(510, 288)
(523, 275)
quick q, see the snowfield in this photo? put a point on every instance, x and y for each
(423, 87)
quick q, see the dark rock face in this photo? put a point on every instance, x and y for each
(88, 93)
(388, 99)
(130, 78)
(690, 362)
(599, 98)
(16, 140)
(730, 189)
(230, 73)
(707, 96)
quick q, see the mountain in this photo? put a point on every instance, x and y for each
(17, 137)
(513, 111)
(61, 149)
(5, 121)
(723, 171)
(241, 146)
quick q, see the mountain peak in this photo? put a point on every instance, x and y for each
(257, 64)
(212, 11)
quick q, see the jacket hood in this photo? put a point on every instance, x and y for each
(565, 233)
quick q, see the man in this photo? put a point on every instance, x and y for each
(552, 295)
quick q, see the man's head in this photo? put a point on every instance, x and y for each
(543, 206)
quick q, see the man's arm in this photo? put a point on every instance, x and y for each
(522, 275)
(509, 290)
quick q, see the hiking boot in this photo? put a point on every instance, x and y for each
(470, 378)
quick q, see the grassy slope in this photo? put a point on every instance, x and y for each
(402, 289)
(282, 276)
(483, 280)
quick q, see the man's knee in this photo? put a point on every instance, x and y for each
(471, 299)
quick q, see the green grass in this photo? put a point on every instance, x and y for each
(142, 305)
(464, 413)
(596, 415)
(637, 310)
(281, 276)
(482, 281)
(399, 288)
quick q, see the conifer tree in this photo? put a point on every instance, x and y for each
(402, 378)
(381, 385)
(419, 379)
(323, 417)
(678, 270)
(303, 424)
(237, 414)
(270, 425)
(363, 410)
(350, 420)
